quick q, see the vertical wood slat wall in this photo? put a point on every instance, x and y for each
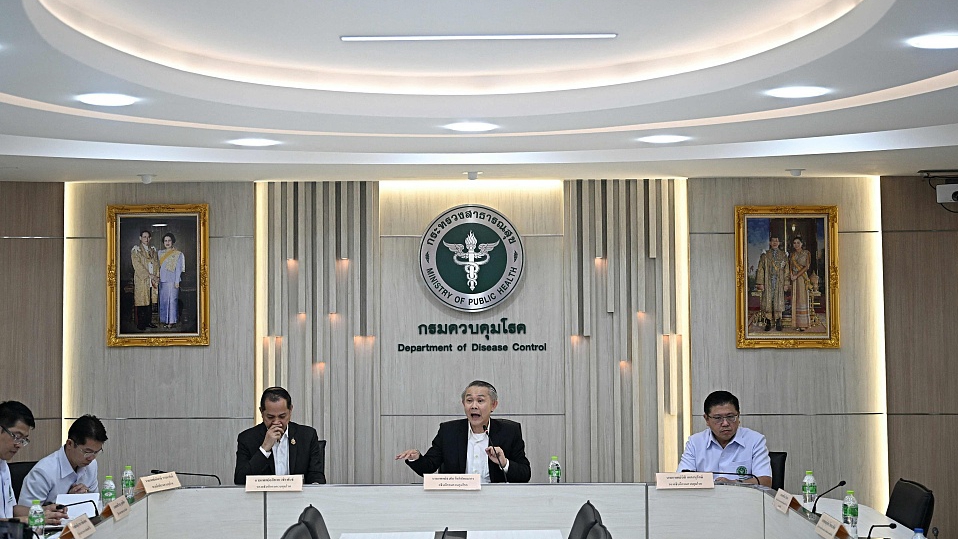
(619, 248)
(323, 302)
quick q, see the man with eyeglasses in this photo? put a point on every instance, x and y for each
(71, 469)
(16, 420)
(726, 446)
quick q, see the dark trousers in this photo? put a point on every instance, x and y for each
(144, 315)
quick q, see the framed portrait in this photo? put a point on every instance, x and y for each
(786, 272)
(157, 275)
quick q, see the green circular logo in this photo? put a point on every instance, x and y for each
(742, 470)
(471, 257)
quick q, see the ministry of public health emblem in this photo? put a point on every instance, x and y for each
(471, 257)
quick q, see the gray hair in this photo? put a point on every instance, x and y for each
(480, 383)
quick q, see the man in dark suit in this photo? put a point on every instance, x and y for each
(492, 448)
(277, 446)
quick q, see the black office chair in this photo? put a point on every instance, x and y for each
(297, 531)
(18, 472)
(598, 531)
(778, 468)
(313, 520)
(584, 520)
(911, 504)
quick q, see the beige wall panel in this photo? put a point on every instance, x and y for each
(180, 381)
(920, 306)
(409, 212)
(923, 451)
(31, 321)
(31, 209)
(45, 438)
(544, 436)
(835, 447)
(232, 205)
(805, 381)
(528, 382)
(908, 203)
(712, 201)
(205, 445)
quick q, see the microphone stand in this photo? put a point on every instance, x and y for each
(96, 511)
(819, 497)
(214, 476)
(757, 482)
(892, 526)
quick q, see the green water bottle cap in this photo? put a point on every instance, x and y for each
(128, 467)
(110, 477)
(808, 472)
(849, 491)
(555, 457)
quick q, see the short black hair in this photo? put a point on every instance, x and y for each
(718, 398)
(13, 412)
(146, 232)
(172, 237)
(85, 428)
(274, 394)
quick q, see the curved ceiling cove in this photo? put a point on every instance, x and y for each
(654, 41)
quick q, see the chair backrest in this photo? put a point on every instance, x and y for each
(911, 504)
(18, 472)
(584, 520)
(778, 468)
(297, 531)
(599, 531)
(313, 520)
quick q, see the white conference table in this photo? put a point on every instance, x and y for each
(497, 534)
(867, 517)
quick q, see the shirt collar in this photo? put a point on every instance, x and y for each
(66, 469)
(734, 440)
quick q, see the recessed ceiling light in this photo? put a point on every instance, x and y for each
(471, 127)
(664, 139)
(480, 37)
(107, 100)
(934, 41)
(797, 92)
(254, 142)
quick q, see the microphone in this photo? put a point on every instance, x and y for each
(892, 526)
(214, 476)
(444, 533)
(498, 463)
(96, 511)
(819, 497)
(757, 482)
(934, 531)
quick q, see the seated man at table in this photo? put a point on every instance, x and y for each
(16, 420)
(71, 469)
(277, 446)
(492, 448)
(726, 446)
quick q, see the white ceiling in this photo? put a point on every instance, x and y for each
(209, 72)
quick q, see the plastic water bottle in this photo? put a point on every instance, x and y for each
(919, 533)
(555, 471)
(36, 519)
(129, 483)
(108, 491)
(850, 513)
(809, 488)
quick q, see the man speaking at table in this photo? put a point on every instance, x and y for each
(277, 446)
(726, 446)
(478, 444)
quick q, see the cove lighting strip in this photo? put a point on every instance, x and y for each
(481, 37)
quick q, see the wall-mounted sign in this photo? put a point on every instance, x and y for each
(471, 257)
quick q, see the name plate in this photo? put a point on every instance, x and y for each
(119, 508)
(159, 482)
(783, 500)
(274, 483)
(666, 481)
(80, 528)
(451, 481)
(827, 526)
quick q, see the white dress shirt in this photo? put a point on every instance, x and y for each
(747, 450)
(477, 461)
(7, 501)
(280, 454)
(53, 476)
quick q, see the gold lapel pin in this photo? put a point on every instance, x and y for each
(292, 441)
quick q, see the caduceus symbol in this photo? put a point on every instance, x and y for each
(467, 256)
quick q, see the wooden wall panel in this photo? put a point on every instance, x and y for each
(45, 438)
(31, 209)
(922, 450)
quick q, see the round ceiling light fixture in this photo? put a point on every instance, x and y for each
(107, 100)
(934, 41)
(253, 142)
(797, 92)
(471, 127)
(664, 139)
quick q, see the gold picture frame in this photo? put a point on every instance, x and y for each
(786, 290)
(157, 294)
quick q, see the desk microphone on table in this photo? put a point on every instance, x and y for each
(757, 482)
(96, 511)
(819, 497)
(443, 536)
(214, 476)
(499, 464)
(892, 526)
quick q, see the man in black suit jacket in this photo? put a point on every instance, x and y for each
(498, 441)
(298, 447)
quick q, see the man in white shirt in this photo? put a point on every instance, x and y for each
(71, 469)
(16, 420)
(726, 446)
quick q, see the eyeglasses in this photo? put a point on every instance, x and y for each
(723, 418)
(87, 452)
(22, 441)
